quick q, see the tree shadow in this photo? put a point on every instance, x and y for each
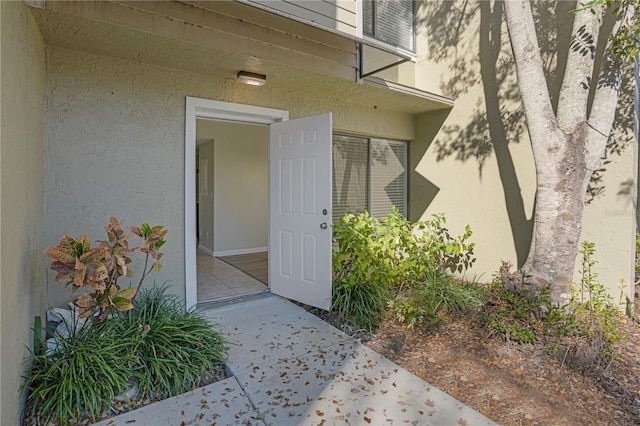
(495, 124)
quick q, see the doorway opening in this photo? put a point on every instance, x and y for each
(196, 109)
(232, 171)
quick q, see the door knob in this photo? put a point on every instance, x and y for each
(323, 225)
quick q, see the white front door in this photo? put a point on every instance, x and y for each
(300, 231)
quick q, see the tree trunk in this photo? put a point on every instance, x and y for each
(566, 147)
(560, 195)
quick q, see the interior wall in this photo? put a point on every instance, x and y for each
(240, 185)
(23, 266)
(205, 194)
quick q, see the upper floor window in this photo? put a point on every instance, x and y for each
(390, 21)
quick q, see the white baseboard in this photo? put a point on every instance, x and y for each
(240, 251)
(206, 250)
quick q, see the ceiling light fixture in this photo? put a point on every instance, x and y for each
(252, 78)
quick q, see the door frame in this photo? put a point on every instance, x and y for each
(218, 110)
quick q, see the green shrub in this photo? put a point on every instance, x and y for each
(163, 347)
(587, 328)
(372, 256)
(80, 377)
(425, 302)
(171, 347)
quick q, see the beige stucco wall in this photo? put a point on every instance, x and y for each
(114, 144)
(22, 270)
(475, 162)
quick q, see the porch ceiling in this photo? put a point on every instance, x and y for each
(189, 47)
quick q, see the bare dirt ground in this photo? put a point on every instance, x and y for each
(516, 384)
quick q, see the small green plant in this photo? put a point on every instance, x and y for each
(593, 306)
(373, 256)
(79, 265)
(587, 329)
(436, 294)
(171, 347)
(79, 377)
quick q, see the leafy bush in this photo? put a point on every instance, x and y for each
(436, 294)
(81, 376)
(163, 347)
(171, 347)
(372, 256)
(587, 328)
(79, 265)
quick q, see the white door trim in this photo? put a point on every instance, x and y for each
(205, 108)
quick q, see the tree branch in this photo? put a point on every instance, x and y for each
(603, 110)
(542, 122)
(574, 93)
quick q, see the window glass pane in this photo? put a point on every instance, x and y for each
(390, 21)
(367, 17)
(388, 181)
(350, 168)
(394, 22)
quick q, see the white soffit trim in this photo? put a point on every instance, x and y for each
(446, 102)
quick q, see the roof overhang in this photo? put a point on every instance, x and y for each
(165, 37)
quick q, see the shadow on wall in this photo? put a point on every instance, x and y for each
(498, 120)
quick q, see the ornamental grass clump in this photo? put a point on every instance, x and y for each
(435, 295)
(171, 347)
(158, 345)
(79, 377)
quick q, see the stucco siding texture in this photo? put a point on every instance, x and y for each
(22, 270)
(114, 145)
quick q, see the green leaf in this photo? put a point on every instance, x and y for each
(122, 304)
(127, 293)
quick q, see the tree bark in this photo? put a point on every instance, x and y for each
(559, 160)
(566, 147)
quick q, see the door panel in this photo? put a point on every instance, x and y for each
(300, 210)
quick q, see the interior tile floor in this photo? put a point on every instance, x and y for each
(217, 279)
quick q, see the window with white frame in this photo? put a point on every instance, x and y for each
(390, 21)
(368, 174)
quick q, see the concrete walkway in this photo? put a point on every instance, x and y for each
(290, 368)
